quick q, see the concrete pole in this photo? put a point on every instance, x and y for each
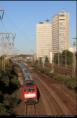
(74, 64)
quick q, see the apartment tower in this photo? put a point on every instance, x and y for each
(43, 39)
(60, 32)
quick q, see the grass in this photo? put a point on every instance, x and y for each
(70, 82)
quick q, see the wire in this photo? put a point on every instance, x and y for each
(1, 16)
(13, 23)
(4, 26)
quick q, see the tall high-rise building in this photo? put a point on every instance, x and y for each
(53, 37)
(43, 39)
(60, 32)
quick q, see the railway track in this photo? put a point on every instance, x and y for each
(30, 109)
(51, 95)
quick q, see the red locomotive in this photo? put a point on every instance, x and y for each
(30, 92)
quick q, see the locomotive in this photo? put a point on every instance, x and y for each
(29, 92)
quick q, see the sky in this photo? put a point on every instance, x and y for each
(21, 17)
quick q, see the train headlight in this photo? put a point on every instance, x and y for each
(30, 95)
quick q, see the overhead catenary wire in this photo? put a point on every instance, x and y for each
(11, 21)
(7, 38)
(17, 28)
(3, 26)
(13, 25)
(2, 14)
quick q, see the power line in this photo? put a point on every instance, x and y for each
(1, 14)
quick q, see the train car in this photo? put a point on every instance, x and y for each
(29, 92)
(26, 74)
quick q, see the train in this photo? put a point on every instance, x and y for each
(29, 89)
(30, 92)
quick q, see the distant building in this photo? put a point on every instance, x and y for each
(43, 39)
(53, 37)
(60, 32)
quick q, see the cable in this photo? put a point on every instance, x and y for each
(14, 24)
(11, 21)
(1, 16)
(4, 26)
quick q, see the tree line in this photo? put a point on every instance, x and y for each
(8, 86)
(66, 57)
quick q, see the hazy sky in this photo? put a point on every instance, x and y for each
(21, 17)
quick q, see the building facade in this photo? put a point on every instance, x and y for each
(60, 32)
(53, 37)
(43, 39)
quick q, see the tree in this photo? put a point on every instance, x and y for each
(36, 62)
(58, 58)
(67, 57)
(40, 60)
(46, 60)
(8, 99)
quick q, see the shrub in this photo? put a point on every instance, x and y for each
(3, 110)
(71, 83)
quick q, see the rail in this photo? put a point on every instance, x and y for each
(30, 109)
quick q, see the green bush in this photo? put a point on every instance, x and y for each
(68, 81)
(3, 111)
(72, 83)
(51, 75)
(8, 85)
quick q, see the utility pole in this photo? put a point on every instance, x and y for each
(58, 59)
(43, 61)
(66, 58)
(75, 57)
(1, 18)
(7, 44)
